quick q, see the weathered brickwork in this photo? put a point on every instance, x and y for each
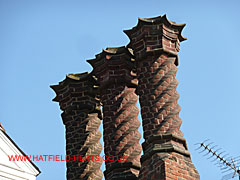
(156, 42)
(168, 166)
(81, 116)
(147, 69)
(114, 69)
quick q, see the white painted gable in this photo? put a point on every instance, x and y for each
(14, 170)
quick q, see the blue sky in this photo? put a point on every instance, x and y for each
(42, 41)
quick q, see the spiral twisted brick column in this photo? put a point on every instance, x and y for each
(155, 42)
(81, 116)
(114, 71)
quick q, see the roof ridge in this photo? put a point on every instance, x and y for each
(2, 128)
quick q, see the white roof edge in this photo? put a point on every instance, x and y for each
(17, 150)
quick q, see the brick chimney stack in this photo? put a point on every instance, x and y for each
(114, 69)
(156, 42)
(78, 99)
